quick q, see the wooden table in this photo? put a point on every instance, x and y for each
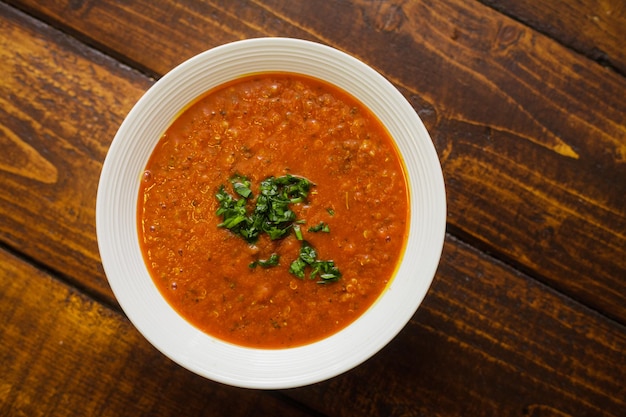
(526, 104)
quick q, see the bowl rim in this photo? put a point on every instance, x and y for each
(151, 314)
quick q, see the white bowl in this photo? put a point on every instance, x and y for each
(116, 217)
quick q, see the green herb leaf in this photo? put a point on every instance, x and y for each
(321, 227)
(233, 212)
(241, 185)
(298, 232)
(307, 253)
(267, 263)
(297, 268)
(325, 270)
(275, 232)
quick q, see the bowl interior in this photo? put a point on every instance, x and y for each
(118, 239)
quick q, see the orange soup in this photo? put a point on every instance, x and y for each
(273, 212)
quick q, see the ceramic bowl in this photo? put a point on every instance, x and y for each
(116, 217)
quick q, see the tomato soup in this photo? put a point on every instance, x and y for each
(344, 226)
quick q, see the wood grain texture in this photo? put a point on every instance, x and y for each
(595, 28)
(60, 106)
(63, 354)
(531, 135)
(154, 36)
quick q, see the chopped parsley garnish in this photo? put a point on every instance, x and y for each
(307, 253)
(298, 232)
(321, 227)
(325, 270)
(272, 215)
(266, 263)
(297, 268)
(241, 185)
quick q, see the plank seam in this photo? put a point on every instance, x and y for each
(498, 257)
(603, 60)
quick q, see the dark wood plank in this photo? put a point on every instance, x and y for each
(596, 29)
(530, 134)
(60, 106)
(156, 36)
(63, 354)
(487, 341)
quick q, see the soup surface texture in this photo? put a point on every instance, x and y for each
(354, 215)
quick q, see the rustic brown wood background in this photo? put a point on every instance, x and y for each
(526, 103)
